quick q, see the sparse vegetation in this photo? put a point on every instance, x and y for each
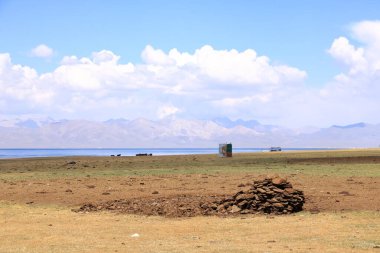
(336, 163)
(341, 210)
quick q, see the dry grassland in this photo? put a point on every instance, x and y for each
(348, 222)
(49, 229)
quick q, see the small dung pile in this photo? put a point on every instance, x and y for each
(270, 196)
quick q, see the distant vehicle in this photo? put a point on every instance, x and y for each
(275, 149)
(144, 154)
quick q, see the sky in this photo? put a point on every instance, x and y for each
(291, 63)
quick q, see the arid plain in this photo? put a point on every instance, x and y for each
(37, 196)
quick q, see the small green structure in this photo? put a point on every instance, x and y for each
(225, 150)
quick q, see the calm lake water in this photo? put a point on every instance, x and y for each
(25, 153)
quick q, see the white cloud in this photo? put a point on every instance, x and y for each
(21, 83)
(100, 72)
(203, 84)
(70, 60)
(42, 51)
(155, 56)
(360, 60)
(105, 56)
(166, 110)
(343, 51)
(367, 32)
(226, 66)
(363, 62)
(200, 84)
(354, 94)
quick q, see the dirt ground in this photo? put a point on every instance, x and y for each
(37, 196)
(323, 192)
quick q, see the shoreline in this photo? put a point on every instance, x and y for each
(114, 156)
(15, 153)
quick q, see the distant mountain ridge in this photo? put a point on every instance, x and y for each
(172, 133)
(361, 124)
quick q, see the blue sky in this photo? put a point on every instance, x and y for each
(293, 32)
(296, 34)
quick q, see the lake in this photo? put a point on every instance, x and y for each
(25, 153)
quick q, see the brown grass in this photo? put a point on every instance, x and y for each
(51, 229)
(48, 225)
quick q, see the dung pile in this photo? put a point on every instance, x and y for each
(270, 196)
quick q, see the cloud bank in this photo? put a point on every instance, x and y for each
(204, 84)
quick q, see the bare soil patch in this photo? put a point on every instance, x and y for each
(323, 193)
(177, 182)
(269, 196)
(342, 200)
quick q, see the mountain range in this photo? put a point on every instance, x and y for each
(172, 133)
